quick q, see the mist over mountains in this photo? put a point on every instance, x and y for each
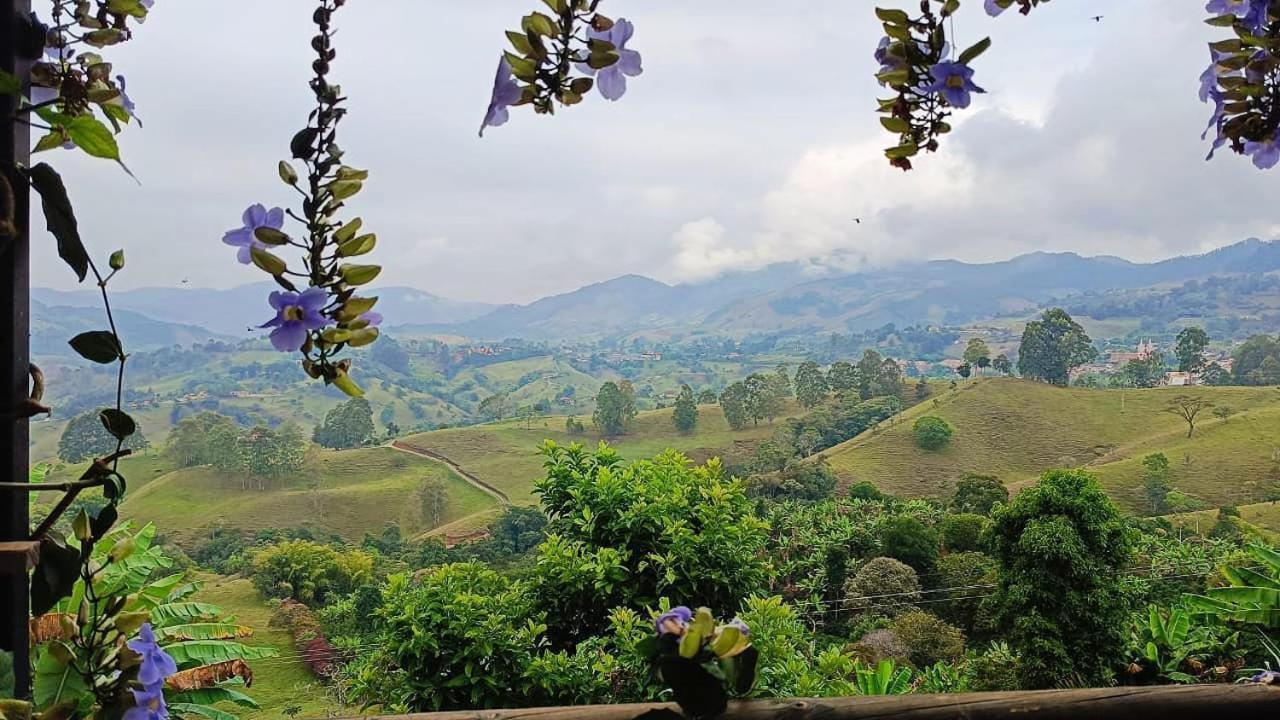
(787, 298)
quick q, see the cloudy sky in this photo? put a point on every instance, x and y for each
(749, 139)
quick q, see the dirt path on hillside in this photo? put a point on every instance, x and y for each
(475, 482)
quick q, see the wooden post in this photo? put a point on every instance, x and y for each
(1178, 702)
(15, 145)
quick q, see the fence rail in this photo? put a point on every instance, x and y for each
(1188, 702)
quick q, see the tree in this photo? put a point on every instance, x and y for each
(931, 433)
(908, 540)
(85, 437)
(200, 440)
(348, 425)
(1189, 349)
(707, 397)
(782, 381)
(922, 389)
(811, 386)
(1062, 548)
(309, 572)
(267, 454)
(614, 410)
(962, 532)
(1188, 407)
(964, 370)
(685, 416)
(843, 378)
(978, 494)
(976, 353)
(868, 372)
(1250, 356)
(928, 639)
(1155, 480)
(733, 403)
(887, 586)
(658, 528)
(433, 499)
(1145, 373)
(495, 407)
(1052, 346)
(1001, 364)
(888, 381)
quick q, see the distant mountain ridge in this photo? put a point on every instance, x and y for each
(788, 298)
(53, 326)
(232, 311)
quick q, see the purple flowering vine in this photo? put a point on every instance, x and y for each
(506, 92)
(612, 80)
(156, 665)
(254, 217)
(954, 82)
(296, 315)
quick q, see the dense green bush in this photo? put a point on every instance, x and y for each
(911, 541)
(624, 535)
(971, 574)
(931, 433)
(962, 532)
(796, 480)
(928, 638)
(309, 572)
(1062, 547)
(978, 494)
(885, 585)
(865, 490)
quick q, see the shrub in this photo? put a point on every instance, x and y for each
(879, 645)
(996, 668)
(884, 585)
(963, 571)
(309, 572)
(978, 494)
(911, 541)
(931, 433)
(963, 532)
(928, 638)
(865, 490)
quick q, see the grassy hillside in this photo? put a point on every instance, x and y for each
(346, 492)
(1016, 429)
(278, 682)
(504, 454)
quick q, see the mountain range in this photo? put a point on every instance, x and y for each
(785, 298)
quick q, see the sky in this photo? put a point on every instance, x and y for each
(750, 138)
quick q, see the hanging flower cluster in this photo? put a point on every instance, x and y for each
(317, 311)
(703, 662)
(548, 49)
(1242, 80)
(155, 666)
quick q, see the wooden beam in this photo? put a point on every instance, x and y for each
(18, 557)
(1180, 702)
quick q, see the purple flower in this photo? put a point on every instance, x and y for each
(147, 3)
(994, 8)
(149, 705)
(156, 663)
(1265, 153)
(371, 319)
(1254, 13)
(127, 102)
(674, 621)
(255, 216)
(612, 80)
(296, 314)
(506, 92)
(888, 62)
(1266, 677)
(954, 81)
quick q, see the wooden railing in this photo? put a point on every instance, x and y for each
(1186, 702)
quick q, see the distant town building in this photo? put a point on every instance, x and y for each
(1146, 349)
(1181, 379)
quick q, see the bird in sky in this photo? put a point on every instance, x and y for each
(858, 220)
(186, 280)
(1097, 18)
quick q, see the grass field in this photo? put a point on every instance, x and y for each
(345, 492)
(1016, 429)
(278, 682)
(505, 454)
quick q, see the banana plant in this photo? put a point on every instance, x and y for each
(886, 678)
(202, 641)
(1252, 598)
(1167, 643)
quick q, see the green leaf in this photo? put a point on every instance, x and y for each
(893, 15)
(90, 135)
(350, 173)
(204, 631)
(9, 84)
(895, 124)
(51, 140)
(975, 50)
(557, 6)
(902, 151)
(266, 261)
(56, 682)
(358, 246)
(359, 274)
(343, 189)
(348, 231)
(54, 577)
(523, 68)
(363, 336)
(169, 613)
(287, 173)
(99, 346)
(355, 307)
(116, 261)
(118, 423)
(303, 143)
(540, 24)
(213, 696)
(59, 217)
(209, 652)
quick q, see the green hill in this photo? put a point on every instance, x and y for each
(346, 492)
(1016, 429)
(505, 454)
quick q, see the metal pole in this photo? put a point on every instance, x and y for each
(15, 144)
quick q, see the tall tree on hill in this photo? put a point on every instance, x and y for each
(1145, 373)
(868, 371)
(267, 454)
(1001, 364)
(1155, 480)
(201, 440)
(733, 403)
(888, 380)
(1188, 408)
(1062, 546)
(707, 397)
(685, 416)
(495, 407)
(85, 438)
(842, 378)
(782, 381)
(1052, 346)
(922, 389)
(977, 354)
(1251, 361)
(811, 386)
(614, 410)
(1190, 348)
(348, 425)
(757, 388)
